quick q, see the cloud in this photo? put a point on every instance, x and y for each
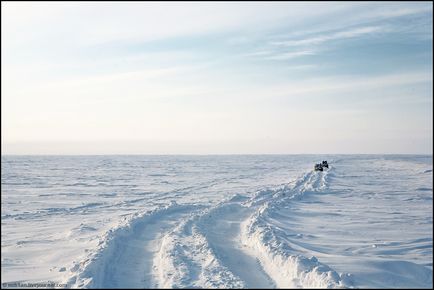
(317, 87)
(273, 50)
(343, 83)
(78, 24)
(185, 70)
(386, 12)
(361, 21)
(289, 55)
(350, 33)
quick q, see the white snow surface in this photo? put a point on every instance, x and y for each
(254, 221)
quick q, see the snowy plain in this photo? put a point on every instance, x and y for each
(235, 221)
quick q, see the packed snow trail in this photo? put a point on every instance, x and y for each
(124, 259)
(131, 264)
(186, 260)
(222, 227)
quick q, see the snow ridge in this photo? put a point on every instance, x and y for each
(280, 261)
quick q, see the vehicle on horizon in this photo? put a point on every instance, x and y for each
(318, 167)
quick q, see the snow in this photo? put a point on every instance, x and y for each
(218, 221)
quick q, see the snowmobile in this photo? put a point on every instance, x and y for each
(318, 167)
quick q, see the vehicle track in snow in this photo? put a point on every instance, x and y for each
(131, 267)
(222, 228)
(126, 257)
(185, 246)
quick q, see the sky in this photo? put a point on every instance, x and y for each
(216, 78)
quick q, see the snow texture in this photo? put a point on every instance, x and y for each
(218, 221)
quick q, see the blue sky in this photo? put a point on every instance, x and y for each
(216, 78)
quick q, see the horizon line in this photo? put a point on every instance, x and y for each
(212, 154)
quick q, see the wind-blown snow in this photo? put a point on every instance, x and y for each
(218, 221)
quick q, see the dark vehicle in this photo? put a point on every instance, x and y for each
(325, 164)
(318, 167)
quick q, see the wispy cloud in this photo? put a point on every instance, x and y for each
(344, 34)
(279, 54)
(260, 53)
(365, 22)
(310, 45)
(316, 87)
(289, 55)
(386, 12)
